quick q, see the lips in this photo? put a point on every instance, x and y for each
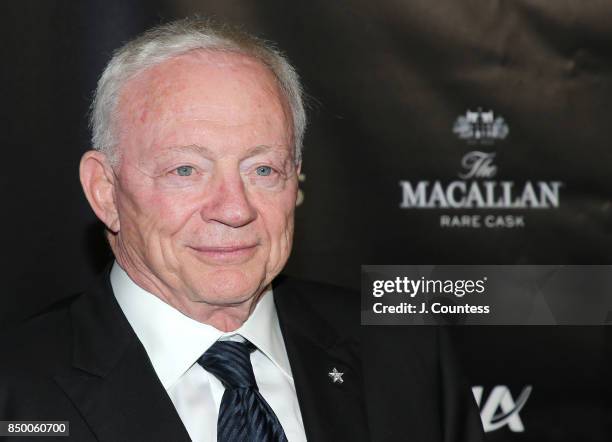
(228, 254)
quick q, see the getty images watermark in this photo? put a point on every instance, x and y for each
(486, 295)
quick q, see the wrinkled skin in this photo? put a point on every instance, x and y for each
(200, 204)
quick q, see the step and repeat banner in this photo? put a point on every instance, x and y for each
(471, 132)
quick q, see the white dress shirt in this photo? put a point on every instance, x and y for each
(174, 342)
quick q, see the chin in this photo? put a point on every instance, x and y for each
(229, 286)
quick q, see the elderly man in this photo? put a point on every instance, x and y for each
(197, 134)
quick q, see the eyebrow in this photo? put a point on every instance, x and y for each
(263, 148)
(202, 150)
(208, 153)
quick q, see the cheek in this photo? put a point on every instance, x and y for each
(278, 219)
(153, 215)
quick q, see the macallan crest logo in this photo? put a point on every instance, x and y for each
(480, 127)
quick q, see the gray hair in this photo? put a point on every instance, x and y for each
(170, 40)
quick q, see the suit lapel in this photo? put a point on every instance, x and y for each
(112, 382)
(330, 411)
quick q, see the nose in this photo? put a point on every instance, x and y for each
(228, 201)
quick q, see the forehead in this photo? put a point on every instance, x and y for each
(206, 88)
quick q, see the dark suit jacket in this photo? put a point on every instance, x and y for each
(81, 362)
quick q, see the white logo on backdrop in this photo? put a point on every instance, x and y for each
(478, 186)
(481, 191)
(500, 408)
(478, 165)
(481, 127)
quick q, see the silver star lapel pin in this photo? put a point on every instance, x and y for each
(336, 376)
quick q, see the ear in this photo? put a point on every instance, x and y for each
(98, 183)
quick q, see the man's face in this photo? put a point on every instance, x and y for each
(206, 183)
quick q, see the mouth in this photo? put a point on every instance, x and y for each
(230, 254)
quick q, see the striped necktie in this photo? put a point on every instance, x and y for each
(244, 415)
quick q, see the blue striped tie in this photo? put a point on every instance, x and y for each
(244, 416)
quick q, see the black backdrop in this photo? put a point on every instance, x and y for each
(387, 82)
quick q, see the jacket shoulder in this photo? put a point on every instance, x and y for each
(40, 343)
(32, 354)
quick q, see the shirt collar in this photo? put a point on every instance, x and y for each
(174, 341)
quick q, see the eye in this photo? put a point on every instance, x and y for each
(263, 170)
(184, 170)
